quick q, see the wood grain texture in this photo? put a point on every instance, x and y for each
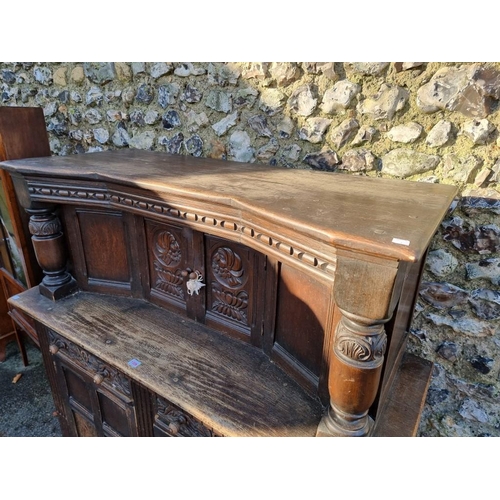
(401, 414)
(358, 213)
(23, 134)
(229, 386)
(286, 257)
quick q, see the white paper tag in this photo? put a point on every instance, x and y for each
(400, 242)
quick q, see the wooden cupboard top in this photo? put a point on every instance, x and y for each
(230, 386)
(387, 217)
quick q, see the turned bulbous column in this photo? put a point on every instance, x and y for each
(363, 296)
(50, 250)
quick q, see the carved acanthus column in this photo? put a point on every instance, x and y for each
(50, 251)
(363, 295)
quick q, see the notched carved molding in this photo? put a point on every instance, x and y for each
(288, 249)
(36, 191)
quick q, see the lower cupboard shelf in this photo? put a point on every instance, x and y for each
(125, 367)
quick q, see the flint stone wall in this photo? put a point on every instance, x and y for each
(426, 122)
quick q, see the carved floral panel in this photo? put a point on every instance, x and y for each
(167, 261)
(229, 283)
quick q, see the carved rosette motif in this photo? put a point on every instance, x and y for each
(227, 267)
(359, 344)
(166, 248)
(178, 422)
(167, 256)
(230, 299)
(91, 363)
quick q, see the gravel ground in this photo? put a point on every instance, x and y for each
(26, 407)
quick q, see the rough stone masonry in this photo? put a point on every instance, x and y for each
(426, 122)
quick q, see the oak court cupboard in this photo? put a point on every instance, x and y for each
(187, 296)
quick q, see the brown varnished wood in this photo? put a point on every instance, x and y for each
(60, 402)
(232, 275)
(406, 399)
(327, 207)
(365, 294)
(169, 249)
(243, 393)
(51, 252)
(300, 324)
(106, 411)
(316, 273)
(19, 324)
(398, 326)
(23, 134)
(99, 230)
(144, 408)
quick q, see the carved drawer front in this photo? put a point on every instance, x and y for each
(171, 421)
(97, 397)
(101, 373)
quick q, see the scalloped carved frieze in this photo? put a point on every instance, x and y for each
(67, 192)
(91, 363)
(287, 249)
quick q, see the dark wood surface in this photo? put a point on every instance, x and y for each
(227, 385)
(406, 399)
(307, 283)
(23, 134)
(359, 213)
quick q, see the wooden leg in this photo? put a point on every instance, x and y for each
(22, 347)
(364, 297)
(14, 335)
(354, 377)
(3, 344)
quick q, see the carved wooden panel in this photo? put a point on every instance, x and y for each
(267, 241)
(168, 253)
(83, 426)
(231, 289)
(97, 397)
(92, 365)
(104, 244)
(173, 422)
(301, 321)
(116, 417)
